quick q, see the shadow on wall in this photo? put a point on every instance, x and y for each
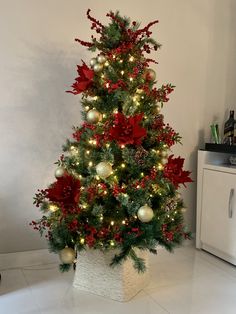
(230, 97)
(221, 70)
(34, 126)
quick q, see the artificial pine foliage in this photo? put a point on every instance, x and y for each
(116, 183)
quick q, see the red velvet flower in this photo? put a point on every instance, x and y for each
(83, 81)
(127, 130)
(65, 191)
(174, 172)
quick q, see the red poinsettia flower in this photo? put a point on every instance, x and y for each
(174, 172)
(65, 191)
(127, 130)
(83, 81)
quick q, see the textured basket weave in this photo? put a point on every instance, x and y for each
(121, 283)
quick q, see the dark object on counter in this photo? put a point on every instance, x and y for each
(220, 148)
(229, 129)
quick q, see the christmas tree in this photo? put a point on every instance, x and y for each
(117, 182)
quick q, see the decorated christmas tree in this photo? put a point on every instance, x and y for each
(117, 182)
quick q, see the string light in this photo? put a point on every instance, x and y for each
(107, 85)
(101, 217)
(112, 223)
(112, 243)
(142, 174)
(131, 59)
(122, 165)
(123, 222)
(121, 61)
(122, 72)
(105, 192)
(122, 146)
(88, 152)
(160, 167)
(84, 206)
(104, 115)
(131, 79)
(95, 98)
(97, 177)
(107, 145)
(53, 207)
(82, 240)
(113, 56)
(87, 108)
(90, 164)
(172, 219)
(80, 177)
(106, 64)
(138, 186)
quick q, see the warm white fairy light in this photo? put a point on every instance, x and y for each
(138, 186)
(97, 177)
(150, 195)
(112, 243)
(131, 79)
(114, 56)
(142, 174)
(121, 61)
(122, 72)
(95, 98)
(122, 146)
(85, 206)
(87, 108)
(160, 167)
(80, 177)
(77, 163)
(131, 59)
(123, 222)
(172, 219)
(105, 192)
(104, 115)
(82, 188)
(112, 223)
(53, 207)
(123, 165)
(106, 64)
(107, 145)
(90, 164)
(87, 152)
(82, 240)
(107, 85)
(101, 217)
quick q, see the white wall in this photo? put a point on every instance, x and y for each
(37, 64)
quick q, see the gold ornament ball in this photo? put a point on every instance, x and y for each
(93, 116)
(150, 75)
(164, 153)
(101, 59)
(158, 109)
(59, 172)
(97, 67)
(145, 213)
(67, 255)
(93, 61)
(104, 169)
(164, 161)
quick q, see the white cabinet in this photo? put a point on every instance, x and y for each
(216, 205)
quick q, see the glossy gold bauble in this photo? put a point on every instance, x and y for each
(101, 59)
(59, 172)
(150, 75)
(93, 116)
(145, 213)
(104, 169)
(67, 255)
(93, 61)
(97, 67)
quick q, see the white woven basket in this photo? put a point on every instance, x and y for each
(121, 283)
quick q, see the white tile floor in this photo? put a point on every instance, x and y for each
(186, 282)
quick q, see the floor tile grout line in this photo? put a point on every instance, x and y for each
(147, 294)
